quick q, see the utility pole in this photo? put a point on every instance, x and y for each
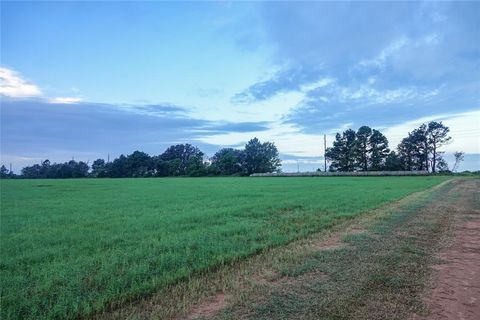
(10, 167)
(325, 152)
(108, 158)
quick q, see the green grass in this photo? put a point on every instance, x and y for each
(70, 248)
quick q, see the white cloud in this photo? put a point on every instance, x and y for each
(374, 96)
(13, 85)
(380, 60)
(317, 84)
(397, 48)
(272, 109)
(65, 100)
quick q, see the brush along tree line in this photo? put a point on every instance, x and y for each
(363, 150)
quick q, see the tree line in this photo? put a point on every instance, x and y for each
(367, 150)
(176, 160)
(363, 150)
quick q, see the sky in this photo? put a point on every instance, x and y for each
(89, 80)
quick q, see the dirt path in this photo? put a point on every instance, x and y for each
(455, 292)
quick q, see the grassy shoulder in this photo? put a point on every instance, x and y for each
(75, 247)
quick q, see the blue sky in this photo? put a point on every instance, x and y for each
(88, 79)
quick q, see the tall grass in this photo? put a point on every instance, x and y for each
(71, 247)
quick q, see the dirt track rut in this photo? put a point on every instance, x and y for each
(455, 292)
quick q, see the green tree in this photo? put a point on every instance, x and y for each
(422, 146)
(343, 153)
(196, 167)
(261, 157)
(413, 149)
(185, 156)
(139, 164)
(116, 169)
(421, 149)
(98, 168)
(3, 172)
(47, 171)
(442, 165)
(393, 162)
(362, 147)
(335, 154)
(437, 134)
(378, 150)
(70, 169)
(161, 168)
(405, 153)
(32, 172)
(228, 161)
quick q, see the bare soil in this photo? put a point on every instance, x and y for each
(455, 285)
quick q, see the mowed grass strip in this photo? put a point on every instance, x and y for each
(69, 248)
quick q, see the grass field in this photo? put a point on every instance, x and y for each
(71, 247)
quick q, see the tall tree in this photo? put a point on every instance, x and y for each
(32, 172)
(335, 154)
(413, 150)
(405, 153)
(421, 148)
(393, 162)
(116, 168)
(161, 167)
(261, 157)
(98, 168)
(343, 154)
(378, 150)
(362, 146)
(3, 172)
(47, 171)
(228, 161)
(139, 164)
(437, 134)
(350, 149)
(183, 157)
(442, 165)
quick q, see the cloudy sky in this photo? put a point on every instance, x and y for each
(88, 80)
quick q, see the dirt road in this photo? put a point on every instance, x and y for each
(455, 292)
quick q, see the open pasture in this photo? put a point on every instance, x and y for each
(70, 248)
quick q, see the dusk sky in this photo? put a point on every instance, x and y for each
(90, 79)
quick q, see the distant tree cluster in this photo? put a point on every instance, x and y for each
(5, 173)
(177, 160)
(364, 150)
(367, 150)
(47, 170)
